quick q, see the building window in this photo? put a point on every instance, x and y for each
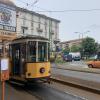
(56, 28)
(39, 26)
(39, 30)
(45, 27)
(24, 19)
(32, 25)
(24, 30)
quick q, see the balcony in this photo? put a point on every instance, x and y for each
(39, 30)
(52, 32)
(56, 41)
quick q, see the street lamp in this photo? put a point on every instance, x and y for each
(82, 37)
(82, 33)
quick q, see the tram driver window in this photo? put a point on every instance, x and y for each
(42, 51)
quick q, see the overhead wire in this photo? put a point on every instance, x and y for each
(59, 11)
(78, 10)
(31, 5)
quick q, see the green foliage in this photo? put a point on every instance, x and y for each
(66, 50)
(98, 47)
(89, 46)
(59, 61)
(75, 48)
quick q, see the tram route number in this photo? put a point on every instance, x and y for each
(4, 69)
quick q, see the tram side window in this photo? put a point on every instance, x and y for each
(32, 51)
(42, 51)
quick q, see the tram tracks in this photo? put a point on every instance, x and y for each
(25, 87)
(47, 92)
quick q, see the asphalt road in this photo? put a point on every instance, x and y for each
(80, 64)
(49, 93)
(36, 92)
(16, 93)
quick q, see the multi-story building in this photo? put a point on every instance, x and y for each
(7, 23)
(25, 22)
(7, 20)
(69, 44)
(32, 23)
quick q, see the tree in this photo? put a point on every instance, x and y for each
(75, 48)
(89, 46)
(66, 50)
(98, 47)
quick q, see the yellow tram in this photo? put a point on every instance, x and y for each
(29, 58)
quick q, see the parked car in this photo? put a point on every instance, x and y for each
(77, 58)
(95, 63)
(67, 58)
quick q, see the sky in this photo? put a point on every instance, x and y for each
(73, 23)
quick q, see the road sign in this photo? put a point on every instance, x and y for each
(4, 69)
(4, 74)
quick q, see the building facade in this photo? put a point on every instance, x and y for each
(7, 20)
(31, 23)
(69, 44)
(25, 22)
(7, 24)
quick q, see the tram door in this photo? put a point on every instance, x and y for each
(18, 58)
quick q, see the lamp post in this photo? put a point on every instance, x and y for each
(82, 34)
(82, 37)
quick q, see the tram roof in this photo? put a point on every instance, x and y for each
(30, 37)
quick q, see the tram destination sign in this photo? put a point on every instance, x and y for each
(7, 18)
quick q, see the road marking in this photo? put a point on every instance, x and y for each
(78, 97)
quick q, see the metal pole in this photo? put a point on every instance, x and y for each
(3, 90)
(82, 35)
(3, 81)
(79, 35)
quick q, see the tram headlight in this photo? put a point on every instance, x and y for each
(42, 70)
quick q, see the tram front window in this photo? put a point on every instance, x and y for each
(42, 51)
(32, 51)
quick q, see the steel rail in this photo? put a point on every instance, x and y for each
(24, 86)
